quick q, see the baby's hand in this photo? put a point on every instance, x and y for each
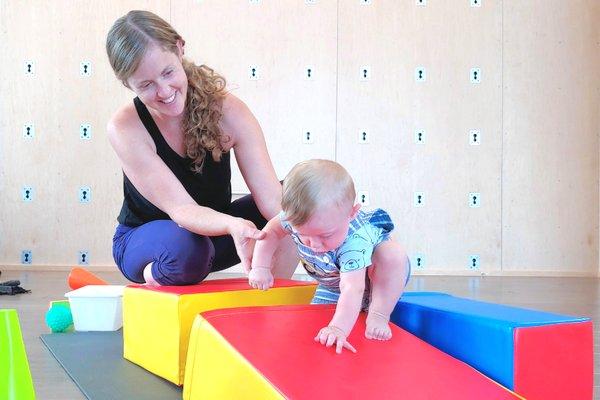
(260, 278)
(332, 334)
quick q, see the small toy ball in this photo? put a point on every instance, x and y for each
(59, 318)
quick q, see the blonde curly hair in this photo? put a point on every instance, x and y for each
(127, 42)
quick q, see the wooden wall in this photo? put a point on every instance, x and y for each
(535, 109)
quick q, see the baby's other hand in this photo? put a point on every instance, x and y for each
(332, 334)
(260, 278)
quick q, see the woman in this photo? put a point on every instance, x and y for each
(177, 222)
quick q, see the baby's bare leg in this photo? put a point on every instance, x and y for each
(388, 276)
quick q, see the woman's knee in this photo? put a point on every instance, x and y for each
(186, 261)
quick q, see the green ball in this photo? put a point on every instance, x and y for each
(59, 318)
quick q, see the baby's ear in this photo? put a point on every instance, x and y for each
(355, 209)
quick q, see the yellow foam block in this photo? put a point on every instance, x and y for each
(218, 371)
(157, 320)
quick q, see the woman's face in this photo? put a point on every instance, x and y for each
(160, 81)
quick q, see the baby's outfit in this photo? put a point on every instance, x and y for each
(365, 232)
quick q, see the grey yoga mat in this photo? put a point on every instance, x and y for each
(94, 360)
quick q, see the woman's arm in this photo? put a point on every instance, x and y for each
(252, 155)
(155, 181)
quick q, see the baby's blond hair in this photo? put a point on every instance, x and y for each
(315, 183)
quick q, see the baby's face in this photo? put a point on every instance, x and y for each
(327, 228)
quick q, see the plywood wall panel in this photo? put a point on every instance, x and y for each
(551, 97)
(394, 39)
(281, 39)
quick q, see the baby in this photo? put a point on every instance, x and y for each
(348, 251)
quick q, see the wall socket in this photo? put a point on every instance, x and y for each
(309, 73)
(85, 194)
(420, 136)
(474, 264)
(29, 130)
(365, 73)
(253, 73)
(476, 3)
(27, 193)
(363, 137)
(474, 200)
(83, 257)
(26, 257)
(85, 68)
(474, 137)
(85, 131)
(420, 74)
(419, 199)
(29, 68)
(475, 75)
(421, 2)
(363, 197)
(308, 137)
(418, 262)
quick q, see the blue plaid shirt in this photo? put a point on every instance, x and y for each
(365, 232)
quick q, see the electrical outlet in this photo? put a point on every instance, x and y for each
(308, 137)
(475, 75)
(474, 264)
(83, 258)
(419, 199)
(363, 197)
(365, 73)
(421, 2)
(474, 137)
(27, 193)
(418, 262)
(29, 68)
(29, 130)
(420, 74)
(85, 194)
(420, 136)
(363, 137)
(365, 2)
(476, 3)
(26, 257)
(254, 73)
(309, 73)
(474, 200)
(85, 131)
(85, 68)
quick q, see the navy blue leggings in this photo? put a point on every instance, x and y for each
(178, 256)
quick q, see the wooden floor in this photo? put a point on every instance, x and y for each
(574, 296)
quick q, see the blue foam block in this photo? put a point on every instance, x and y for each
(478, 333)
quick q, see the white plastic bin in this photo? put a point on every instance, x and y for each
(97, 307)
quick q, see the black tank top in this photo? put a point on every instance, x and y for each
(210, 188)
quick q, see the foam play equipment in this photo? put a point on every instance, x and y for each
(80, 277)
(279, 359)
(157, 320)
(539, 355)
(15, 377)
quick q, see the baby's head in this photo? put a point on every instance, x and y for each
(318, 201)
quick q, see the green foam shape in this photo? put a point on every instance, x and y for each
(15, 377)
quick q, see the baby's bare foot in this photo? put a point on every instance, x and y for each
(378, 326)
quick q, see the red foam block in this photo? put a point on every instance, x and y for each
(565, 354)
(279, 342)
